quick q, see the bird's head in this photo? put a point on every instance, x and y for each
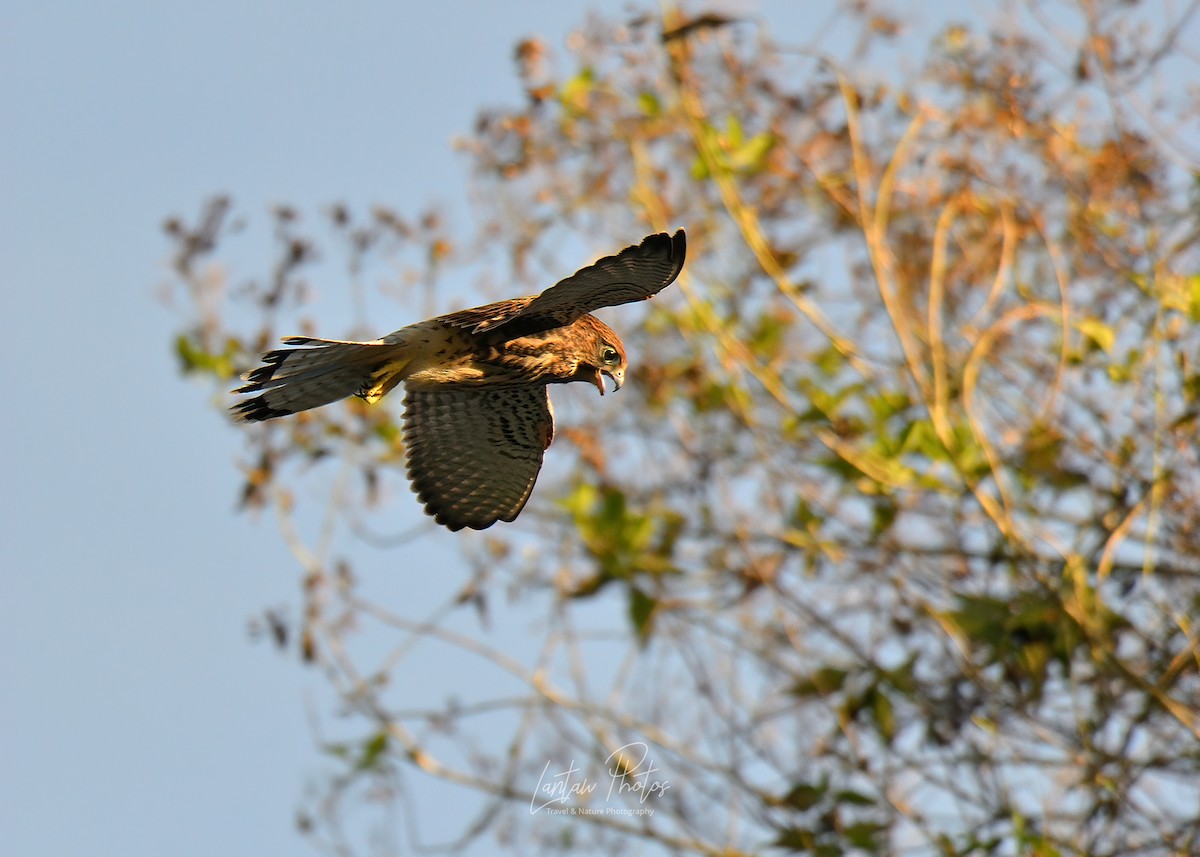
(598, 352)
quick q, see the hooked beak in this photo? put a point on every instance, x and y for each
(617, 376)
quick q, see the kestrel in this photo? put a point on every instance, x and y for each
(477, 414)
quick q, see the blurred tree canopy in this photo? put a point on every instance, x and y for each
(896, 528)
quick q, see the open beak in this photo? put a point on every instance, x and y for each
(617, 376)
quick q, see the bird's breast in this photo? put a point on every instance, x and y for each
(540, 358)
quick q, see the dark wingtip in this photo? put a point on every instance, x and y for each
(257, 378)
(678, 250)
(255, 411)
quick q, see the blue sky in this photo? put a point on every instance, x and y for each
(138, 718)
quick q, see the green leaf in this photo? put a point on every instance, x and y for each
(883, 514)
(623, 541)
(804, 517)
(373, 752)
(854, 798)
(751, 156)
(576, 93)
(823, 682)
(1042, 453)
(338, 749)
(1098, 332)
(649, 104)
(730, 151)
(194, 358)
(1180, 293)
(1042, 447)
(805, 796)
(388, 431)
(641, 613)
(884, 714)
(919, 436)
(802, 840)
(889, 403)
(769, 334)
(829, 361)
(864, 834)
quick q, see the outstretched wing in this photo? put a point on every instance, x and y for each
(486, 317)
(636, 273)
(474, 452)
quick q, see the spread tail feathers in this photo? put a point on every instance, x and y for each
(319, 372)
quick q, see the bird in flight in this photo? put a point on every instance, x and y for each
(477, 414)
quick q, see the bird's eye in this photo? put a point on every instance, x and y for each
(609, 355)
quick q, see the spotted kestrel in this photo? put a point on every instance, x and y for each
(477, 414)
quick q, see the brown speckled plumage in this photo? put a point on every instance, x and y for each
(477, 417)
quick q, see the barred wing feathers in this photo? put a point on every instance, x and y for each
(474, 452)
